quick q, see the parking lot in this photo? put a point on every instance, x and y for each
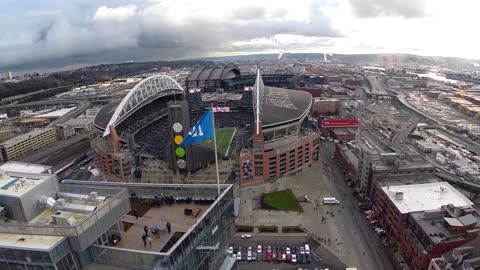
(288, 248)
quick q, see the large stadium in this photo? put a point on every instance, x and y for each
(138, 136)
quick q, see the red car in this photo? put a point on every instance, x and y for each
(289, 257)
(279, 257)
(269, 256)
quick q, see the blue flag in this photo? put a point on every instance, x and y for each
(203, 130)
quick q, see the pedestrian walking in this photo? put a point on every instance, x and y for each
(135, 213)
(149, 239)
(145, 228)
(144, 238)
(169, 227)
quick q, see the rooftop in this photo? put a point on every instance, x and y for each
(57, 113)
(16, 186)
(424, 197)
(25, 242)
(15, 166)
(23, 137)
(105, 113)
(158, 216)
(284, 105)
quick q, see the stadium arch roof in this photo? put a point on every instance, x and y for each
(143, 93)
(214, 72)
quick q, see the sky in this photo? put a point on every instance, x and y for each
(36, 32)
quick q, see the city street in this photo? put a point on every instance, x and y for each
(352, 239)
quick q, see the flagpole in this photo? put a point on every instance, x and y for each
(216, 155)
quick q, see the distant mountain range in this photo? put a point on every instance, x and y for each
(408, 59)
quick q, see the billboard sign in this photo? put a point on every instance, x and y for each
(332, 123)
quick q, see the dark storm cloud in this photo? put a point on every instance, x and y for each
(396, 8)
(148, 29)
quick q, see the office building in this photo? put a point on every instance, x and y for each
(86, 225)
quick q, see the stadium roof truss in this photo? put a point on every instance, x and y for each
(143, 93)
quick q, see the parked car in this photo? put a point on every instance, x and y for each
(249, 255)
(287, 250)
(303, 258)
(289, 257)
(284, 257)
(309, 257)
(230, 251)
(239, 256)
(302, 250)
(294, 258)
(279, 256)
(259, 249)
(269, 256)
(307, 249)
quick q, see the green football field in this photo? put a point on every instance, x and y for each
(224, 137)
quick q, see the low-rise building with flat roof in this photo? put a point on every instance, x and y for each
(424, 220)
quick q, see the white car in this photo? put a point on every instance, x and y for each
(230, 251)
(239, 256)
(284, 257)
(288, 250)
(259, 249)
(249, 255)
(294, 258)
(302, 250)
(246, 236)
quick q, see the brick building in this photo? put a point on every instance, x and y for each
(425, 220)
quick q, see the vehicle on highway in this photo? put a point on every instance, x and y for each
(246, 236)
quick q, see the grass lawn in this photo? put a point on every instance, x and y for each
(224, 136)
(281, 200)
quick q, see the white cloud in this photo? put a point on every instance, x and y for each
(118, 14)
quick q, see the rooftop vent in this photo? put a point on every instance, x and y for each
(399, 196)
